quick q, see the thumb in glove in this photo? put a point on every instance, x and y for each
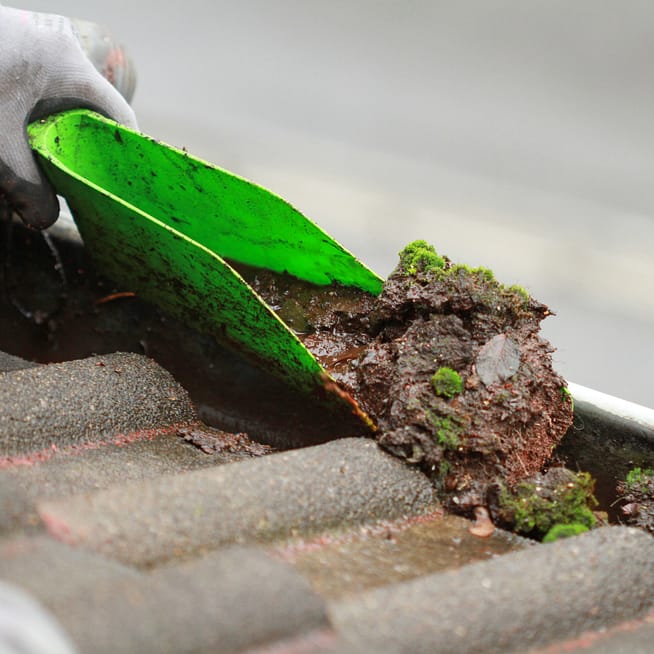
(43, 70)
(27, 628)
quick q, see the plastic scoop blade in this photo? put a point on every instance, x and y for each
(162, 223)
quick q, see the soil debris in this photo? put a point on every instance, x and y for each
(214, 441)
(638, 499)
(447, 362)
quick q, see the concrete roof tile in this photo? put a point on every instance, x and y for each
(512, 603)
(9, 363)
(86, 401)
(224, 602)
(630, 637)
(341, 483)
(54, 572)
(67, 472)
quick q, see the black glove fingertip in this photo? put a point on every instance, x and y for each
(36, 204)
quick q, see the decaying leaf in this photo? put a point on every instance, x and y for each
(214, 441)
(498, 359)
(483, 526)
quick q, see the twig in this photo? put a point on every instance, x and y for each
(115, 296)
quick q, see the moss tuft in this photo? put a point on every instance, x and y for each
(534, 510)
(448, 431)
(484, 273)
(419, 256)
(519, 290)
(564, 531)
(566, 395)
(447, 382)
(638, 478)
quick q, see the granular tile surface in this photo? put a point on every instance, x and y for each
(86, 402)
(511, 603)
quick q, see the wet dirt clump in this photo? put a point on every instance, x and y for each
(448, 363)
(459, 379)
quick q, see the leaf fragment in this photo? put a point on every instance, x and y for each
(483, 526)
(498, 359)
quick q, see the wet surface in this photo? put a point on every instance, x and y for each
(392, 552)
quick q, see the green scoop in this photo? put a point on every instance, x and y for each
(161, 223)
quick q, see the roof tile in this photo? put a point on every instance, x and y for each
(86, 401)
(341, 483)
(71, 471)
(511, 603)
(225, 602)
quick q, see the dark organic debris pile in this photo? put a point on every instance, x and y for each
(638, 497)
(449, 364)
(211, 441)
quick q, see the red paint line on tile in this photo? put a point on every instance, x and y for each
(590, 638)
(57, 528)
(119, 440)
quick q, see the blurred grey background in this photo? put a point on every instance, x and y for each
(516, 134)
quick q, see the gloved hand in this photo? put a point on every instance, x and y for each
(43, 70)
(27, 628)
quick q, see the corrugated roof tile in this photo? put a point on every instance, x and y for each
(87, 401)
(341, 483)
(512, 603)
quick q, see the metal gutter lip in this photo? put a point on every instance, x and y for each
(610, 408)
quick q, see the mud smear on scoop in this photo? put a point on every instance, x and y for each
(447, 362)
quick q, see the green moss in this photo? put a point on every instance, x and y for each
(447, 382)
(485, 273)
(564, 531)
(448, 431)
(515, 294)
(533, 513)
(567, 396)
(638, 478)
(419, 256)
(444, 468)
(519, 290)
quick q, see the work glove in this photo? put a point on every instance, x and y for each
(27, 628)
(43, 70)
